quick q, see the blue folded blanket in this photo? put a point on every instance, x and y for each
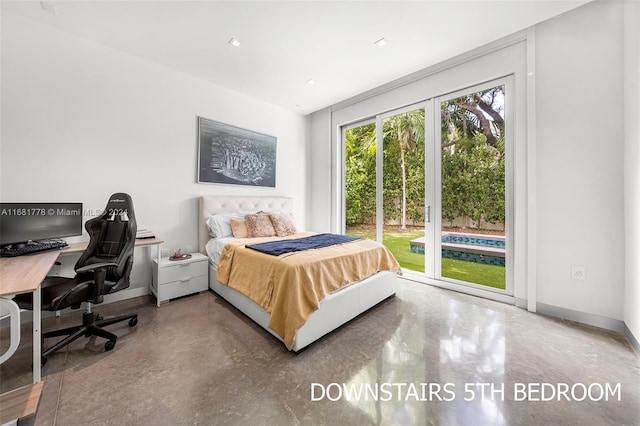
(276, 248)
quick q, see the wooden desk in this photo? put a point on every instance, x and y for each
(24, 274)
(80, 247)
(20, 403)
(18, 275)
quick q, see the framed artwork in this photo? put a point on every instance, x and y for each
(231, 155)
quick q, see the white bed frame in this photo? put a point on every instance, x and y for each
(335, 310)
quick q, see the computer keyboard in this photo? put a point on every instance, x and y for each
(32, 247)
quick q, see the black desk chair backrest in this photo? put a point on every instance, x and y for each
(112, 238)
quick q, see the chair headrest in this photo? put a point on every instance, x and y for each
(120, 204)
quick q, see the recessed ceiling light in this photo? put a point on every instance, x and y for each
(311, 81)
(381, 42)
(234, 42)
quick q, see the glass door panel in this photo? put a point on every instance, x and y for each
(385, 188)
(360, 180)
(472, 188)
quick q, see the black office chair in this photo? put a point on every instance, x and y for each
(103, 268)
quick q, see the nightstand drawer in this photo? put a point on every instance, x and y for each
(181, 271)
(183, 287)
(179, 278)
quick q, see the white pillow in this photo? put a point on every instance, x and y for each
(219, 225)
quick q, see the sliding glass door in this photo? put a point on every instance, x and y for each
(385, 185)
(431, 182)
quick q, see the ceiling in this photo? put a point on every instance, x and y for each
(284, 44)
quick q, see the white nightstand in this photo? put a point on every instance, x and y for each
(178, 278)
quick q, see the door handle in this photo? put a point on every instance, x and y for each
(427, 214)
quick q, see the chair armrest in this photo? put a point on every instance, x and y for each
(99, 275)
(95, 266)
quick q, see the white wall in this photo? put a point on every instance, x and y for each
(81, 121)
(580, 219)
(321, 189)
(632, 168)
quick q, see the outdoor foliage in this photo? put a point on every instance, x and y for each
(473, 181)
(473, 157)
(473, 163)
(360, 176)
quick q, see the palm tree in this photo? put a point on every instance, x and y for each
(407, 131)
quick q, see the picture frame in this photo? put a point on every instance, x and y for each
(232, 155)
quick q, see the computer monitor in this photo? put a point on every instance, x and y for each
(24, 222)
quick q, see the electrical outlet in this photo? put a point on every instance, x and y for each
(578, 273)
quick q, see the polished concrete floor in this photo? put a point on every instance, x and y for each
(426, 357)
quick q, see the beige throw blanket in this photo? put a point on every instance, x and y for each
(291, 286)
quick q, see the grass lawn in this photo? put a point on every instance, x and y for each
(398, 244)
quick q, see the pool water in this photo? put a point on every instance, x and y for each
(488, 249)
(497, 241)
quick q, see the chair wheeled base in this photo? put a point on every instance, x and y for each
(92, 325)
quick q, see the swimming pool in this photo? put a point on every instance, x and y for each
(479, 248)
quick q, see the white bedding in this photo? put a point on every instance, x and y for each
(214, 249)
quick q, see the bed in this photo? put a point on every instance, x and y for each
(334, 309)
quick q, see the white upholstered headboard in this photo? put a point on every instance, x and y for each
(213, 204)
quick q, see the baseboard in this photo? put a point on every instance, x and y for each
(581, 317)
(126, 294)
(632, 340)
(521, 303)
